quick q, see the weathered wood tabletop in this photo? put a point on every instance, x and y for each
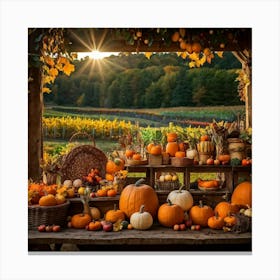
(156, 236)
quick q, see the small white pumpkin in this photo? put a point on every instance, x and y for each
(183, 198)
(141, 220)
(77, 183)
(67, 183)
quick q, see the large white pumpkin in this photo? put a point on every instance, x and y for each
(183, 198)
(141, 220)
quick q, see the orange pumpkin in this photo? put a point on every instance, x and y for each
(216, 222)
(156, 150)
(109, 177)
(242, 195)
(111, 193)
(80, 220)
(129, 153)
(47, 200)
(149, 147)
(172, 137)
(200, 214)
(180, 154)
(230, 220)
(223, 208)
(224, 158)
(114, 215)
(172, 148)
(136, 156)
(111, 167)
(94, 225)
(101, 192)
(183, 146)
(135, 195)
(170, 214)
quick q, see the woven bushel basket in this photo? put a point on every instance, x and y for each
(80, 160)
(167, 186)
(47, 215)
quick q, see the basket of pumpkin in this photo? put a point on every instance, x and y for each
(46, 206)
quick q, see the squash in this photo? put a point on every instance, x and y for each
(230, 220)
(135, 195)
(141, 220)
(80, 220)
(200, 214)
(47, 200)
(216, 222)
(223, 208)
(172, 148)
(242, 195)
(207, 184)
(170, 214)
(224, 158)
(183, 198)
(111, 167)
(114, 215)
(94, 225)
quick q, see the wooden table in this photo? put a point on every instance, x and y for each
(155, 239)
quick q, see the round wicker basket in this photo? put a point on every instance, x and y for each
(81, 159)
(47, 215)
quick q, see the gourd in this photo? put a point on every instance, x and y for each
(230, 220)
(224, 158)
(135, 195)
(94, 225)
(111, 167)
(242, 195)
(141, 220)
(180, 154)
(95, 213)
(114, 215)
(216, 222)
(183, 198)
(200, 214)
(170, 214)
(47, 200)
(223, 208)
(80, 220)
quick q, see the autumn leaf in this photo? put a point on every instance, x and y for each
(53, 72)
(194, 56)
(192, 64)
(62, 60)
(203, 60)
(68, 68)
(46, 90)
(148, 54)
(219, 54)
(179, 53)
(184, 55)
(49, 61)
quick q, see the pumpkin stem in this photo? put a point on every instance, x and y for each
(139, 182)
(142, 209)
(115, 207)
(169, 202)
(180, 189)
(200, 203)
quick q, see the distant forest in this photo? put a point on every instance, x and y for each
(133, 81)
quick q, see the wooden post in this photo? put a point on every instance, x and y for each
(35, 106)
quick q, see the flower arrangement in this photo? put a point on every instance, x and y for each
(246, 135)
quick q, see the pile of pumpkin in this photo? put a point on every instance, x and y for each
(139, 208)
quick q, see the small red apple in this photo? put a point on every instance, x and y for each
(210, 161)
(107, 226)
(197, 227)
(188, 223)
(56, 228)
(41, 228)
(92, 194)
(182, 226)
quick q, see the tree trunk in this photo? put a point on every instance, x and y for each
(35, 105)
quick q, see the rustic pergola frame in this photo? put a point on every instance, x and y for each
(103, 39)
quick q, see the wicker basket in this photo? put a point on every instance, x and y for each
(81, 159)
(181, 162)
(47, 215)
(137, 162)
(167, 186)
